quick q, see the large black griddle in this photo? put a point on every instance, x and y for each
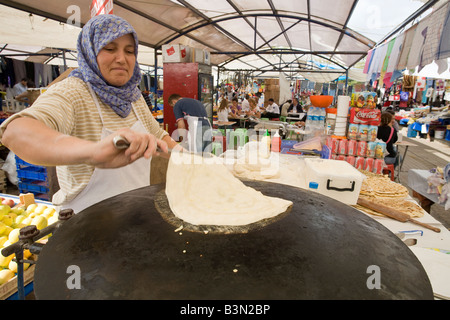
(126, 247)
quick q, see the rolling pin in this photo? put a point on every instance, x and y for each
(393, 213)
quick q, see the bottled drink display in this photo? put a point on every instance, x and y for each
(315, 122)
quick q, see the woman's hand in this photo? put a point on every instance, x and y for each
(106, 155)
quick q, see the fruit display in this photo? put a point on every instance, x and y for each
(14, 216)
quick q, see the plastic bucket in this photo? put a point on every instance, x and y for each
(439, 133)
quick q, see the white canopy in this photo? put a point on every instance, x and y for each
(253, 35)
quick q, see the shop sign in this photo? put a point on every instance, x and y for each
(365, 116)
(101, 7)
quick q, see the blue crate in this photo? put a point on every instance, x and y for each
(32, 186)
(20, 162)
(32, 173)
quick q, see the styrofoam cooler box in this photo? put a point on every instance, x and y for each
(176, 53)
(334, 178)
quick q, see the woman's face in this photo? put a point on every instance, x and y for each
(116, 60)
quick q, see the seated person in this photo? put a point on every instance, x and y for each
(254, 110)
(234, 109)
(272, 110)
(285, 107)
(223, 111)
(388, 134)
(295, 107)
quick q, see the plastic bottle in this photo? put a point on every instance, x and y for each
(265, 142)
(321, 120)
(311, 122)
(276, 143)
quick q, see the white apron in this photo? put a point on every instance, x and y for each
(106, 183)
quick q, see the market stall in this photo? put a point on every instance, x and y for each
(325, 207)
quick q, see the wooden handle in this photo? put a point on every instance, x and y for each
(393, 213)
(387, 211)
(425, 225)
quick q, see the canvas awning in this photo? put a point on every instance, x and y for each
(252, 35)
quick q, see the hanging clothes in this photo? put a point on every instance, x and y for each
(395, 53)
(406, 47)
(443, 49)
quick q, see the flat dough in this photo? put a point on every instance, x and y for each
(202, 191)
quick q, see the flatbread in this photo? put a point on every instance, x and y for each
(202, 191)
(402, 205)
(381, 186)
(381, 189)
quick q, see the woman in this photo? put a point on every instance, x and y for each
(234, 109)
(223, 111)
(388, 134)
(74, 123)
(254, 110)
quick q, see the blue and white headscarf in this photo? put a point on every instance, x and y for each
(98, 32)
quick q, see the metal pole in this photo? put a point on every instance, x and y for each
(155, 96)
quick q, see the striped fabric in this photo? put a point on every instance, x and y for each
(68, 107)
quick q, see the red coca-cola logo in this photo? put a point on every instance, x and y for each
(367, 115)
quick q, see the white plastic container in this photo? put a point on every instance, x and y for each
(335, 178)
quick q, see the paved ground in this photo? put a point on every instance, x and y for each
(426, 155)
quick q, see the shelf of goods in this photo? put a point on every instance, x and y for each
(17, 212)
(32, 178)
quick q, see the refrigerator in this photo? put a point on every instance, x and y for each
(189, 80)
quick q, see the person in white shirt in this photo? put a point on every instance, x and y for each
(245, 107)
(223, 111)
(272, 110)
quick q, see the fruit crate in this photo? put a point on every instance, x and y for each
(32, 178)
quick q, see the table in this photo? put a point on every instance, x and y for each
(223, 123)
(417, 181)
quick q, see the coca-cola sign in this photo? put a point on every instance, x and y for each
(365, 116)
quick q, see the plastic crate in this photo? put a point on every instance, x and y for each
(33, 173)
(26, 185)
(20, 162)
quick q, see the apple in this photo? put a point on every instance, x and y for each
(9, 202)
(31, 207)
(19, 219)
(14, 235)
(18, 210)
(6, 275)
(7, 220)
(4, 209)
(3, 240)
(40, 208)
(40, 222)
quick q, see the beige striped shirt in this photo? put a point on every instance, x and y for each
(69, 108)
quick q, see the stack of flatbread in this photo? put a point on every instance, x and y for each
(380, 189)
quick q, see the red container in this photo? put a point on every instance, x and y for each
(343, 146)
(340, 157)
(334, 145)
(378, 166)
(352, 147)
(351, 160)
(361, 149)
(359, 163)
(368, 165)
